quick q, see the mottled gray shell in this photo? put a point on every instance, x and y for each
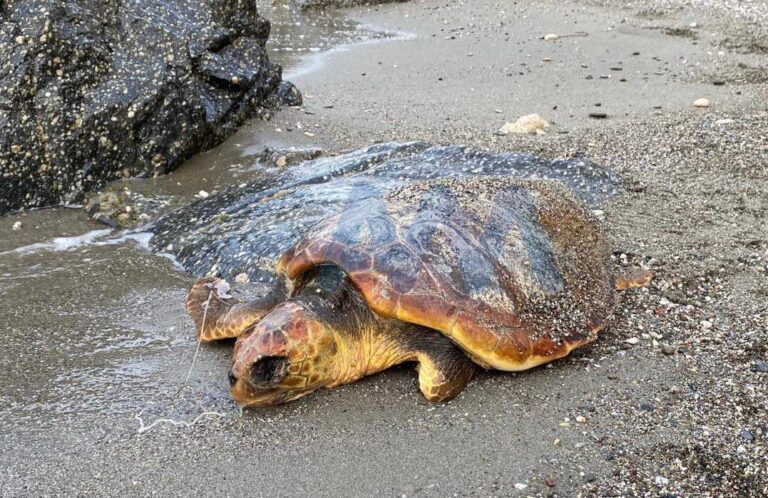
(246, 228)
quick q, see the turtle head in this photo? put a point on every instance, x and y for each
(288, 354)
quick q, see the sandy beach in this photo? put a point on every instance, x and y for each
(671, 401)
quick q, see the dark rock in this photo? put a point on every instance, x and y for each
(747, 436)
(647, 407)
(282, 157)
(760, 366)
(598, 115)
(323, 4)
(93, 206)
(289, 94)
(106, 220)
(246, 228)
(123, 208)
(685, 32)
(95, 90)
(668, 349)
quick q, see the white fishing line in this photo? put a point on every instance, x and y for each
(183, 423)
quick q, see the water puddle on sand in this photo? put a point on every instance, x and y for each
(93, 324)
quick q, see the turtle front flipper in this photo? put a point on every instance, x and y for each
(444, 369)
(218, 315)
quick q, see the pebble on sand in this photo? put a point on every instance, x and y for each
(203, 194)
(532, 124)
(17, 225)
(701, 103)
(668, 349)
(551, 37)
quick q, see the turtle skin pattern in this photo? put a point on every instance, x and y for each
(516, 272)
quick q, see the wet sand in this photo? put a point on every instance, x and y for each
(97, 333)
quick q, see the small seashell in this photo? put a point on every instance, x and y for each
(701, 103)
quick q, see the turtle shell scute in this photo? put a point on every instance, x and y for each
(514, 271)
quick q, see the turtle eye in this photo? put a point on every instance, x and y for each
(269, 370)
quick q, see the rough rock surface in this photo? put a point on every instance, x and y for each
(322, 4)
(245, 229)
(94, 90)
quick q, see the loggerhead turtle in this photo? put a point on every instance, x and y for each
(454, 274)
(245, 228)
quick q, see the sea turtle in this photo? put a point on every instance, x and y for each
(455, 274)
(245, 228)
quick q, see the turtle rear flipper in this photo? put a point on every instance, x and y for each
(217, 315)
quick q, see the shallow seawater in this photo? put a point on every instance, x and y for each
(93, 324)
(296, 34)
(92, 328)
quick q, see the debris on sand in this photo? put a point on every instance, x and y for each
(122, 207)
(531, 124)
(555, 36)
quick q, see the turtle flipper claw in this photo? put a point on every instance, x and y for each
(208, 301)
(218, 315)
